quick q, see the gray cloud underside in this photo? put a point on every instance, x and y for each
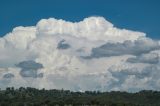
(30, 68)
(136, 79)
(136, 48)
(151, 58)
(63, 45)
(8, 75)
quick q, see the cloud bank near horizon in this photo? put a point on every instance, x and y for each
(88, 55)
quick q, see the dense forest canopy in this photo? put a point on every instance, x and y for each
(41, 97)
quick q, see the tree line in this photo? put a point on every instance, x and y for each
(42, 97)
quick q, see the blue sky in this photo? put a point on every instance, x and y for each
(139, 15)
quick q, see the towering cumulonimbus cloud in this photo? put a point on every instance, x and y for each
(88, 55)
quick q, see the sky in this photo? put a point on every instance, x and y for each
(104, 45)
(138, 15)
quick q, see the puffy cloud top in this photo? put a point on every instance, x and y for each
(92, 28)
(88, 55)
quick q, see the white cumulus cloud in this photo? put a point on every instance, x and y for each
(88, 55)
